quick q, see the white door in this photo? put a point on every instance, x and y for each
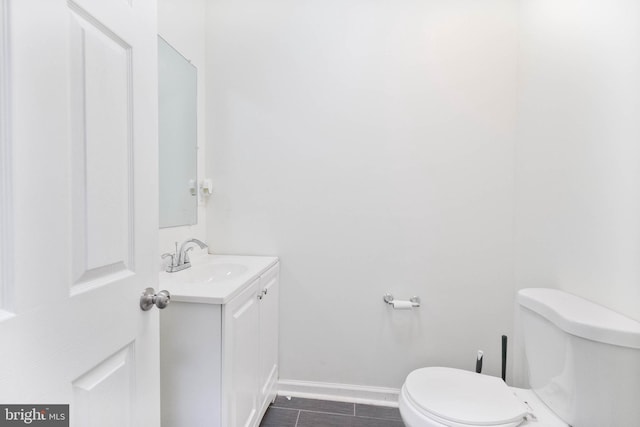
(79, 208)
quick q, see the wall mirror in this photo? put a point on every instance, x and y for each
(177, 122)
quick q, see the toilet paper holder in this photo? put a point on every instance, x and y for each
(389, 299)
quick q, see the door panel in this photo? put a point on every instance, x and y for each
(106, 390)
(102, 186)
(269, 334)
(82, 201)
(5, 172)
(241, 341)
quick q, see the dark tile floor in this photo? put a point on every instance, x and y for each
(297, 412)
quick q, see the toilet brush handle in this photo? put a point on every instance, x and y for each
(479, 362)
(504, 358)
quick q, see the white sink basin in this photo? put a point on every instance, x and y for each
(211, 273)
(214, 279)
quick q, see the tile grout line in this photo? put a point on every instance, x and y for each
(342, 415)
(338, 413)
(315, 412)
(319, 412)
(354, 414)
(378, 418)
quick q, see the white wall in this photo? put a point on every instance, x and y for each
(578, 152)
(369, 144)
(182, 24)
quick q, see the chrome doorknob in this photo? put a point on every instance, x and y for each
(149, 298)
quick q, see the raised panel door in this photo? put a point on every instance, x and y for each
(79, 116)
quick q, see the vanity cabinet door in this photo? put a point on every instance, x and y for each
(269, 335)
(241, 347)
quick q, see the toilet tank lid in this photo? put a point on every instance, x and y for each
(581, 317)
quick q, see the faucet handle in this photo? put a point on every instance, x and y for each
(186, 254)
(173, 257)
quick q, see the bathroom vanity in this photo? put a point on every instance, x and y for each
(219, 342)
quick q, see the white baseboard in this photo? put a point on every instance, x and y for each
(380, 396)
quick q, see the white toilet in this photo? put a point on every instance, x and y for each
(584, 371)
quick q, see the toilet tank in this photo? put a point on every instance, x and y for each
(583, 359)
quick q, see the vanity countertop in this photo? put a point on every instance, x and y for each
(214, 279)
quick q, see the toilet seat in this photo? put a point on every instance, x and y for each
(457, 398)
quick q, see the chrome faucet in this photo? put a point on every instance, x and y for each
(180, 258)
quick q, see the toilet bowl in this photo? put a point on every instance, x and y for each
(447, 397)
(580, 358)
